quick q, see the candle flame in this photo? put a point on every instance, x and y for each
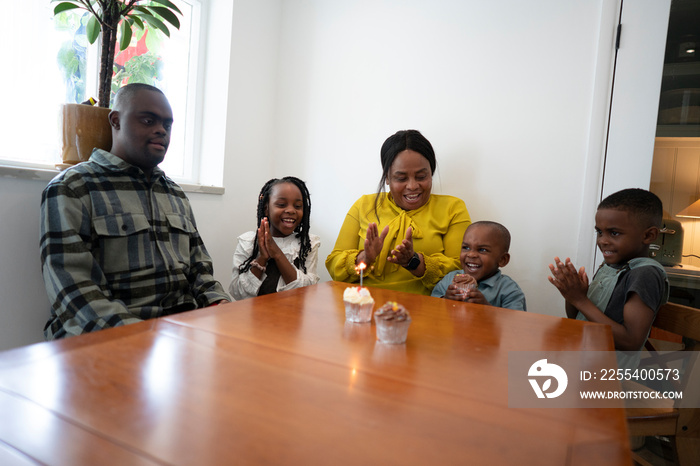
(359, 268)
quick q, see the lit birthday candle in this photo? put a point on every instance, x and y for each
(359, 268)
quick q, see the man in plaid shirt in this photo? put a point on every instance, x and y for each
(119, 243)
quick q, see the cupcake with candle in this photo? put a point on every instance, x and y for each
(358, 304)
(392, 321)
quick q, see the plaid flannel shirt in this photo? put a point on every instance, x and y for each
(117, 248)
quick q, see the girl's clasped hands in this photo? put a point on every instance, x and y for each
(268, 249)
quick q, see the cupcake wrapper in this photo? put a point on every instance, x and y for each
(358, 312)
(391, 331)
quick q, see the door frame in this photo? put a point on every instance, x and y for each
(628, 82)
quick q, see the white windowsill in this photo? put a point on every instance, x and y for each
(200, 188)
(47, 174)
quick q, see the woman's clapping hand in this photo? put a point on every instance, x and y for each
(374, 242)
(403, 252)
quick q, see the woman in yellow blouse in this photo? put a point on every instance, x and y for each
(408, 238)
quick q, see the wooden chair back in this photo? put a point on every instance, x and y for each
(680, 421)
(679, 319)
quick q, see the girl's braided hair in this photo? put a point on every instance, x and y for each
(301, 231)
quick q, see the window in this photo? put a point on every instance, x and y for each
(56, 65)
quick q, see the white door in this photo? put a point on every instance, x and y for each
(635, 96)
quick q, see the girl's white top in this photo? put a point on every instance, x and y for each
(246, 285)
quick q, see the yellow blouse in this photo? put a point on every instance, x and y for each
(438, 228)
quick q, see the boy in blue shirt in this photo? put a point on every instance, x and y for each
(629, 287)
(484, 251)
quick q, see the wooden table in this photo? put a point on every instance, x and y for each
(283, 379)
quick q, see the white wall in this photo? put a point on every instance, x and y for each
(508, 92)
(513, 96)
(247, 126)
(24, 307)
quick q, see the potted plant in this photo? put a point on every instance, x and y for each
(85, 126)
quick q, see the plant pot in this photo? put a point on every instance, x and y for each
(84, 127)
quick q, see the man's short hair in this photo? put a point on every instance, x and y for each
(499, 229)
(126, 93)
(642, 204)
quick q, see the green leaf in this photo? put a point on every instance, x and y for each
(154, 40)
(137, 21)
(125, 35)
(155, 22)
(139, 33)
(65, 6)
(167, 15)
(168, 4)
(92, 29)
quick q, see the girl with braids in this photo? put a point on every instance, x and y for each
(281, 254)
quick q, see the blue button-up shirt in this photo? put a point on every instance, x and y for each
(499, 290)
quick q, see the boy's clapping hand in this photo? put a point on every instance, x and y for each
(572, 284)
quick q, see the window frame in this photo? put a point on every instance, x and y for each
(193, 119)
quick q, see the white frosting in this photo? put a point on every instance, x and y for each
(357, 295)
